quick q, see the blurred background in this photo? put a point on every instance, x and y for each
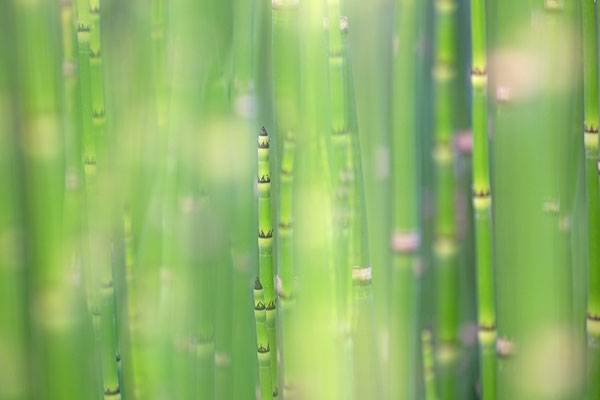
(250, 199)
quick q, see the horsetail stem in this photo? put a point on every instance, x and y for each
(286, 97)
(265, 247)
(482, 200)
(365, 351)
(262, 342)
(99, 268)
(445, 248)
(590, 135)
(405, 240)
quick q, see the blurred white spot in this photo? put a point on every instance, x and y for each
(382, 162)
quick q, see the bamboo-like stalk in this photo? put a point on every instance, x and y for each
(262, 342)
(99, 272)
(286, 87)
(338, 98)
(590, 91)
(482, 201)
(406, 234)
(96, 78)
(428, 365)
(265, 245)
(59, 330)
(445, 248)
(367, 375)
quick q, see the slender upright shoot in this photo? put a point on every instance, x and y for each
(590, 134)
(482, 201)
(265, 246)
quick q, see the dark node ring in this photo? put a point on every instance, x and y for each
(263, 235)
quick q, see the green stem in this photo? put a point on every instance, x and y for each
(482, 201)
(262, 342)
(286, 87)
(59, 328)
(365, 352)
(406, 233)
(14, 380)
(590, 91)
(265, 246)
(445, 248)
(428, 366)
(99, 267)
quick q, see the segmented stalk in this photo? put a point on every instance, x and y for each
(590, 90)
(265, 246)
(428, 365)
(99, 272)
(96, 78)
(262, 342)
(338, 97)
(482, 201)
(406, 233)
(445, 248)
(286, 87)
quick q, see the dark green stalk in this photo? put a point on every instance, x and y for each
(286, 87)
(590, 91)
(14, 370)
(262, 343)
(265, 245)
(406, 234)
(482, 201)
(445, 248)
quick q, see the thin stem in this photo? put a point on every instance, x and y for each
(286, 87)
(590, 91)
(265, 245)
(406, 233)
(262, 342)
(365, 352)
(482, 200)
(445, 248)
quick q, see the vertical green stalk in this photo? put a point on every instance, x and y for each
(339, 99)
(14, 371)
(286, 87)
(262, 343)
(340, 145)
(96, 79)
(251, 70)
(428, 366)
(366, 369)
(590, 126)
(482, 201)
(317, 370)
(265, 246)
(445, 248)
(99, 272)
(406, 234)
(58, 324)
(534, 126)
